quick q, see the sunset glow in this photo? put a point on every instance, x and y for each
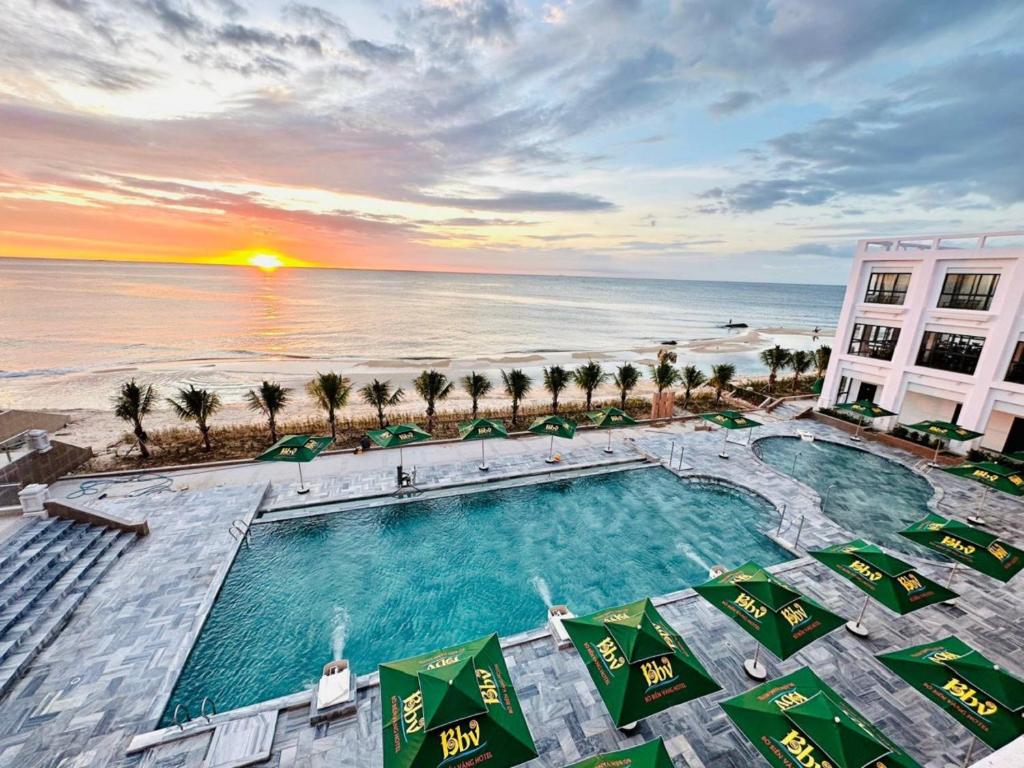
(267, 262)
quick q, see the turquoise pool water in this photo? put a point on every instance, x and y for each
(873, 497)
(389, 582)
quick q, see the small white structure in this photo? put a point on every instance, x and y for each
(335, 694)
(933, 328)
(556, 615)
(38, 440)
(33, 499)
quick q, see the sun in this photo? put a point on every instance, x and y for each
(266, 262)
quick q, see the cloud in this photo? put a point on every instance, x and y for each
(380, 54)
(522, 202)
(733, 102)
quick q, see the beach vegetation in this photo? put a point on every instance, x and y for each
(131, 403)
(433, 386)
(589, 377)
(800, 361)
(196, 405)
(626, 377)
(476, 385)
(721, 377)
(664, 375)
(517, 386)
(556, 379)
(380, 396)
(692, 378)
(774, 359)
(330, 391)
(822, 356)
(270, 399)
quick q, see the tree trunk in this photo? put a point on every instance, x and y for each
(590, 396)
(771, 381)
(515, 411)
(273, 428)
(205, 430)
(554, 403)
(430, 418)
(142, 437)
(622, 400)
(334, 425)
(380, 416)
(474, 408)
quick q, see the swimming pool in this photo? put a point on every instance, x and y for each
(388, 582)
(873, 497)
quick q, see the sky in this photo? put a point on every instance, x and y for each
(692, 139)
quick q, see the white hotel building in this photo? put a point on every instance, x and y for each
(933, 328)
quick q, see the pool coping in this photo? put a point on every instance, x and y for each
(253, 517)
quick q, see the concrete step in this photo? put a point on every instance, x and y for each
(33, 540)
(38, 558)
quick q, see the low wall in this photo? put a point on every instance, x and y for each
(68, 510)
(885, 438)
(15, 422)
(45, 468)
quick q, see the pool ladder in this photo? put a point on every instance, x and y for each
(239, 531)
(181, 709)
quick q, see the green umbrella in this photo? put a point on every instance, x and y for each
(297, 448)
(892, 582)
(798, 720)
(651, 754)
(611, 418)
(977, 549)
(943, 430)
(400, 435)
(985, 699)
(990, 474)
(453, 707)
(482, 429)
(864, 409)
(554, 426)
(729, 420)
(776, 615)
(639, 664)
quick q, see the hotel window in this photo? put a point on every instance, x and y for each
(878, 341)
(962, 291)
(887, 287)
(950, 351)
(1015, 372)
(843, 394)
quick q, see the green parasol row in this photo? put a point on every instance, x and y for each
(652, 754)
(978, 694)
(482, 429)
(798, 720)
(639, 664)
(456, 704)
(296, 448)
(611, 418)
(983, 551)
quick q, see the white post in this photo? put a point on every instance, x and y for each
(302, 484)
(976, 518)
(725, 438)
(608, 449)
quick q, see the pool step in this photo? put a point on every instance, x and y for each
(44, 577)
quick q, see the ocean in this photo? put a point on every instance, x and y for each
(61, 319)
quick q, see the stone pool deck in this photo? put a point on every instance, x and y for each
(107, 676)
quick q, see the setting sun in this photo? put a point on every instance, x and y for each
(268, 262)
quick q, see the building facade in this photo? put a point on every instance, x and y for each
(933, 328)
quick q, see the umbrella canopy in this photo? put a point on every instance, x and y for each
(553, 426)
(481, 429)
(454, 704)
(799, 720)
(730, 420)
(639, 664)
(781, 619)
(944, 430)
(889, 580)
(302, 448)
(975, 548)
(610, 418)
(991, 475)
(398, 435)
(978, 694)
(649, 755)
(865, 409)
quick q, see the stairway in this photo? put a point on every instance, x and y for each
(46, 569)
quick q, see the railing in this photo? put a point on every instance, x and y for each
(176, 718)
(207, 702)
(239, 531)
(974, 240)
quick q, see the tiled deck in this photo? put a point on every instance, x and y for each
(106, 677)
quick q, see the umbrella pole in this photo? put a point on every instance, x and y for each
(860, 423)
(976, 518)
(753, 667)
(483, 457)
(935, 458)
(725, 438)
(952, 573)
(551, 451)
(970, 752)
(857, 627)
(608, 449)
(302, 484)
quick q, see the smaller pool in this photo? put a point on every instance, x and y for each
(873, 498)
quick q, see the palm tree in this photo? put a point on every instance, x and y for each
(664, 375)
(774, 359)
(131, 403)
(378, 394)
(556, 379)
(330, 391)
(196, 405)
(800, 362)
(432, 386)
(626, 378)
(822, 356)
(588, 378)
(693, 378)
(270, 399)
(517, 384)
(476, 385)
(721, 377)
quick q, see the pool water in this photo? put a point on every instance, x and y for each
(385, 583)
(873, 497)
